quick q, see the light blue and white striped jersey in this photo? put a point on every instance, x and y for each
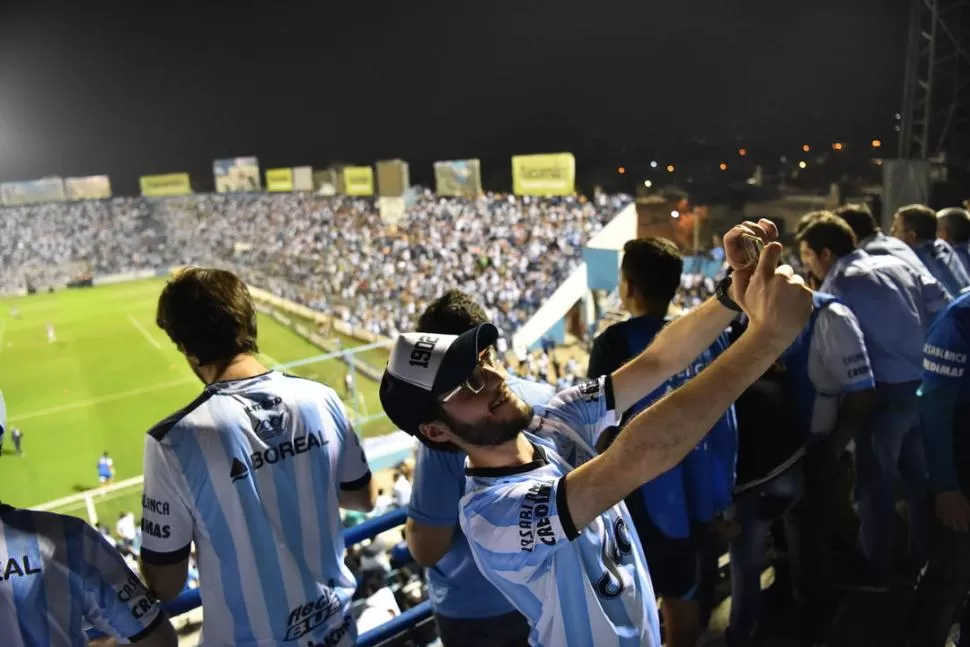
(250, 473)
(58, 573)
(456, 587)
(578, 587)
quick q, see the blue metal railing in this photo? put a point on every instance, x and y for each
(191, 599)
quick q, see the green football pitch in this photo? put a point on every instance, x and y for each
(109, 376)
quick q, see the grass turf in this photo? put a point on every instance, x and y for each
(107, 379)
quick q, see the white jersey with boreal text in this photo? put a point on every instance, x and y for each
(250, 472)
(57, 574)
(578, 587)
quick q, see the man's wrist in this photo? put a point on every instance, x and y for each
(723, 295)
(762, 337)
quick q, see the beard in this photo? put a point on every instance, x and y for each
(492, 433)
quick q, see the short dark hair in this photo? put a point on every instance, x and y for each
(919, 219)
(652, 266)
(957, 223)
(808, 219)
(860, 218)
(209, 314)
(825, 230)
(452, 313)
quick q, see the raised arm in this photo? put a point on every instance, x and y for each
(778, 305)
(678, 344)
(670, 352)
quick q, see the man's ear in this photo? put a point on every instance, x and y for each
(436, 431)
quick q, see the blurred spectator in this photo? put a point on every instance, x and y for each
(401, 493)
(381, 606)
(382, 504)
(333, 254)
(125, 528)
(916, 225)
(954, 228)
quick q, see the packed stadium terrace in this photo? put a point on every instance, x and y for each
(333, 254)
(858, 376)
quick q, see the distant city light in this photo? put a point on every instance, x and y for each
(670, 168)
(621, 170)
(837, 146)
(742, 152)
(806, 148)
(653, 164)
(802, 164)
(723, 166)
(876, 143)
(647, 183)
(675, 214)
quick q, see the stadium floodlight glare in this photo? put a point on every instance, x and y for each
(802, 164)
(653, 164)
(647, 183)
(675, 214)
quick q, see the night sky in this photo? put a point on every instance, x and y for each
(90, 88)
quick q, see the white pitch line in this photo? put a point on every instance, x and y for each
(107, 398)
(145, 334)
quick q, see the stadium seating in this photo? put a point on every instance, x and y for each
(333, 254)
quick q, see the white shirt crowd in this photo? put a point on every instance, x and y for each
(333, 254)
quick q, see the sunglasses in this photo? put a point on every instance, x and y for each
(477, 381)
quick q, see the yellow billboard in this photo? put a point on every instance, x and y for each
(551, 174)
(358, 180)
(279, 180)
(93, 187)
(155, 186)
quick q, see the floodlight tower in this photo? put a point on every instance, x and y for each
(935, 116)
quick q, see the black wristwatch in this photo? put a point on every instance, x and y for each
(722, 292)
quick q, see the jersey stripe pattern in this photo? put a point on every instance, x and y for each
(578, 587)
(59, 575)
(250, 472)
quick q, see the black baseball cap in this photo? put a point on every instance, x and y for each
(423, 367)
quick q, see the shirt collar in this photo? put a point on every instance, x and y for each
(538, 460)
(839, 268)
